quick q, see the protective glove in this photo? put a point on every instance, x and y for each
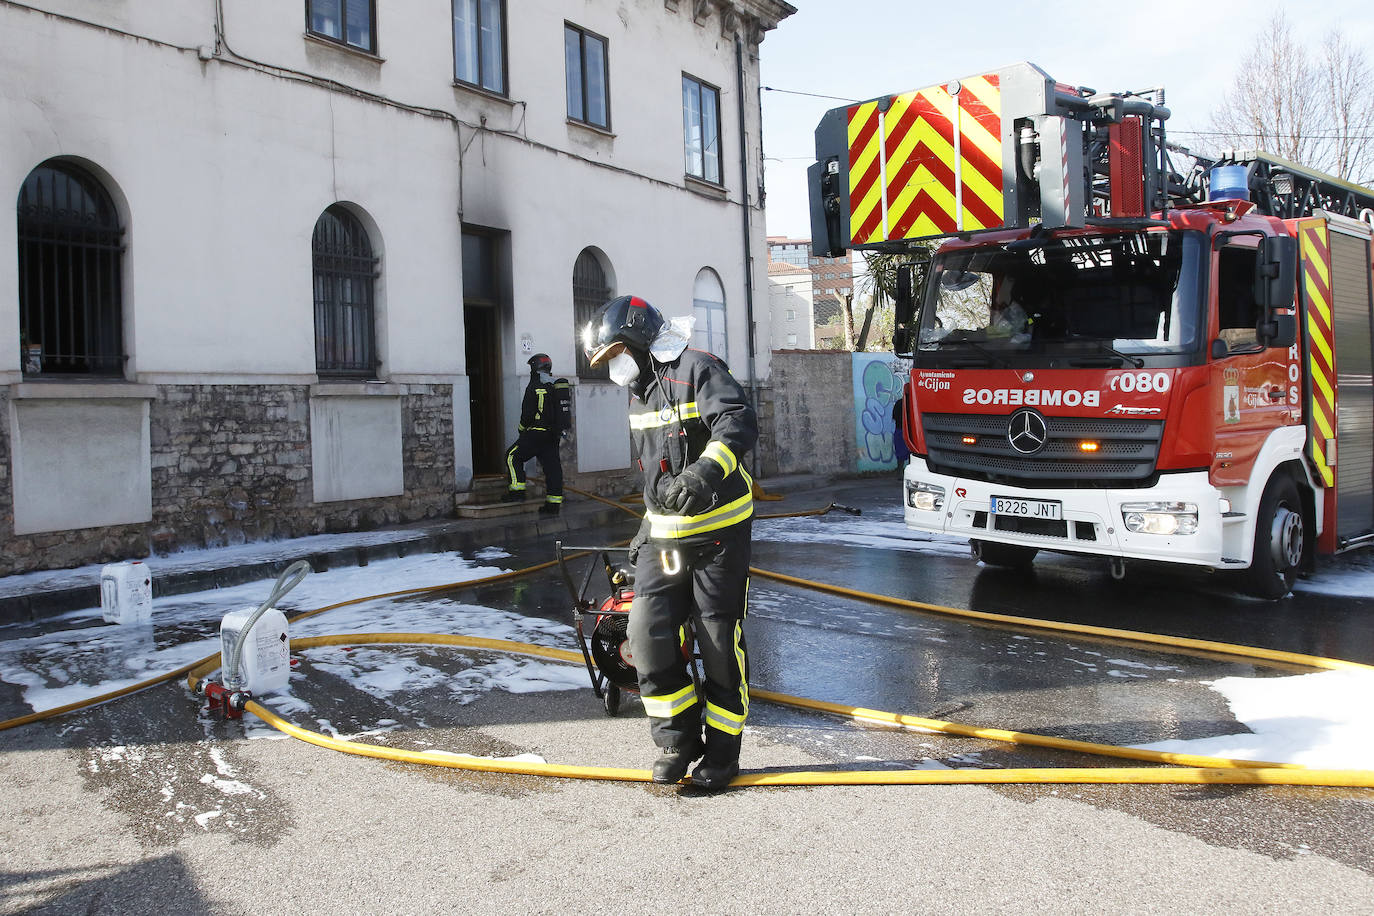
(695, 489)
(639, 540)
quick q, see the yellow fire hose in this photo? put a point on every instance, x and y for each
(1189, 769)
(1186, 769)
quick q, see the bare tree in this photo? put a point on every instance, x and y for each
(1350, 94)
(1313, 109)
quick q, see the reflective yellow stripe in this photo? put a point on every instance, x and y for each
(732, 723)
(720, 453)
(724, 720)
(553, 499)
(655, 418)
(681, 526)
(665, 707)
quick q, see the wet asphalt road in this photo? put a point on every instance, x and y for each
(144, 806)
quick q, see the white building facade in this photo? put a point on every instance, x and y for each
(791, 315)
(280, 265)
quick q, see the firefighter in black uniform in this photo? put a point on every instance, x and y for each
(692, 425)
(538, 437)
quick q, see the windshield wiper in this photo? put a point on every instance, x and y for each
(1124, 357)
(991, 356)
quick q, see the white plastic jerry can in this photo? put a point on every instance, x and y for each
(265, 660)
(126, 592)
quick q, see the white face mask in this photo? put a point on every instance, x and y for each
(623, 368)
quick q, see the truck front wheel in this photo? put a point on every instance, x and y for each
(1277, 554)
(1012, 555)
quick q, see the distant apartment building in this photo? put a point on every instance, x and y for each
(832, 280)
(790, 313)
(275, 268)
(830, 276)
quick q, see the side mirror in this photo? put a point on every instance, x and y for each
(906, 296)
(1276, 269)
(1278, 331)
(903, 340)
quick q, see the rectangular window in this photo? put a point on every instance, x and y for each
(701, 129)
(584, 61)
(791, 314)
(479, 44)
(349, 22)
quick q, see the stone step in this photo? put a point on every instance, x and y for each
(500, 509)
(490, 489)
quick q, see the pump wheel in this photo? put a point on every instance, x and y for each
(1013, 556)
(1277, 553)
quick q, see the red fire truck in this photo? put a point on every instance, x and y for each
(1118, 349)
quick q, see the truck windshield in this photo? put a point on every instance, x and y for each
(1109, 298)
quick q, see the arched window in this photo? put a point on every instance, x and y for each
(708, 305)
(71, 254)
(345, 274)
(590, 292)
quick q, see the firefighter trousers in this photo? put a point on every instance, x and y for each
(705, 580)
(544, 446)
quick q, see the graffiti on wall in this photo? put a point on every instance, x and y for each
(878, 379)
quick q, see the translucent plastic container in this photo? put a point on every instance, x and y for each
(126, 592)
(265, 660)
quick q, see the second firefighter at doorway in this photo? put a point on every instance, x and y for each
(692, 424)
(545, 414)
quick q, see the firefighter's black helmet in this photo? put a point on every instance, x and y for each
(625, 322)
(540, 362)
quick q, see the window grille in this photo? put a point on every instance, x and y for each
(590, 292)
(70, 274)
(345, 275)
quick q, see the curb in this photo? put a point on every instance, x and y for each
(45, 603)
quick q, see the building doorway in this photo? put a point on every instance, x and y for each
(482, 332)
(486, 287)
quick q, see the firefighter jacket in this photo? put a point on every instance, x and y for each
(692, 408)
(539, 409)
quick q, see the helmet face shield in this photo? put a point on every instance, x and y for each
(624, 322)
(605, 353)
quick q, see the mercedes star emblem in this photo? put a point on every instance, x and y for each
(1027, 431)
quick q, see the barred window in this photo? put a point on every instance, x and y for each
(345, 275)
(71, 255)
(590, 292)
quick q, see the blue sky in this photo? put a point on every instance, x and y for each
(859, 49)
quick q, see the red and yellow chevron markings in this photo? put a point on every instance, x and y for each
(1314, 241)
(930, 164)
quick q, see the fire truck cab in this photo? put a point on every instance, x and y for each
(1113, 355)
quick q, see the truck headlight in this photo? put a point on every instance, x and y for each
(925, 496)
(1160, 518)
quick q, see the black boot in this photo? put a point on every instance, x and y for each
(513, 496)
(713, 775)
(548, 509)
(672, 764)
(721, 763)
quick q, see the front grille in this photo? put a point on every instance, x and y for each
(1128, 450)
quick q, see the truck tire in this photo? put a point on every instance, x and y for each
(1277, 553)
(1013, 556)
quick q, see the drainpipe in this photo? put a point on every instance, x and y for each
(748, 254)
